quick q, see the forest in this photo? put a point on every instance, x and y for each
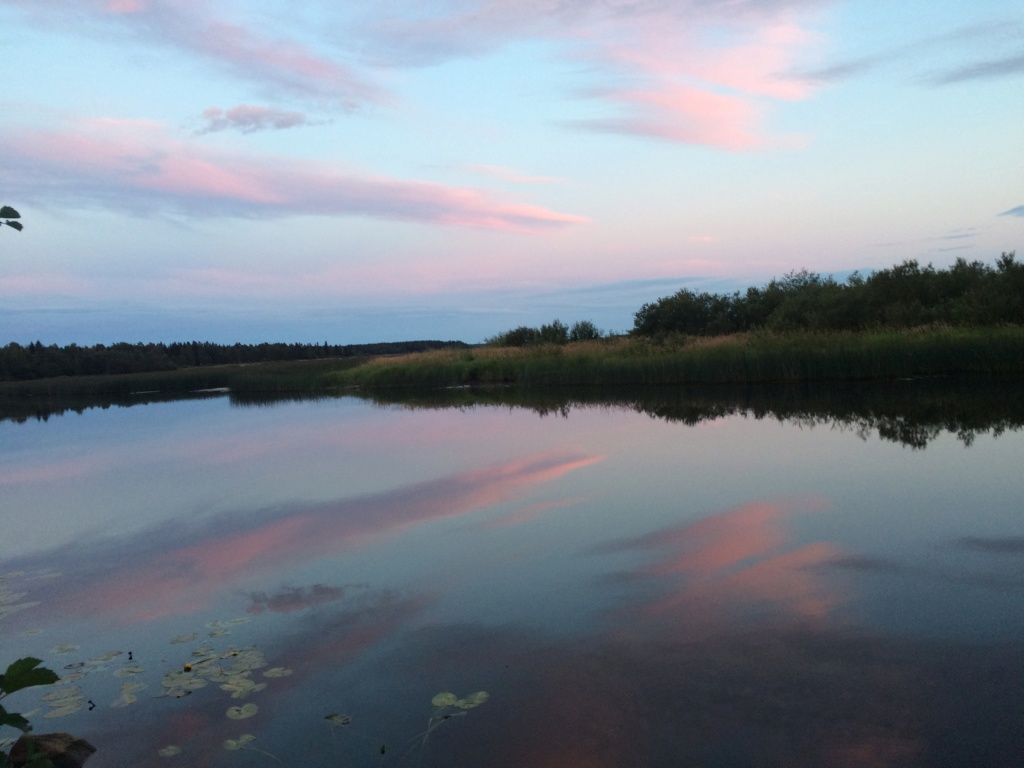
(35, 361)
(968, 293)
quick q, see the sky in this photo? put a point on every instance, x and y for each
(311, 171)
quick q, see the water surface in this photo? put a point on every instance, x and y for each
(631, 585)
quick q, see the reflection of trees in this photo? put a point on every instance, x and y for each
(910, 412)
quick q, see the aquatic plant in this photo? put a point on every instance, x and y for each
(21, 674)
(751, 358)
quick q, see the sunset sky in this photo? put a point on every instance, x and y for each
(305, 170)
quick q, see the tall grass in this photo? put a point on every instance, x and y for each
(747, 358)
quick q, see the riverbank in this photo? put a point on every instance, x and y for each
(755, 358)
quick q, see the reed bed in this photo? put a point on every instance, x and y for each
(280, 376)
(756, 358)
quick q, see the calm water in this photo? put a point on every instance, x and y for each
(627, 589)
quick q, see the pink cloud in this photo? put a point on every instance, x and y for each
(125, 6)
(697, 83)
(275, 61)
(248, 118)
(689, 72)
(685, 115)
(135, 166)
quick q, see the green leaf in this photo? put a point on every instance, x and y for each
(23, 674)
(14, 720)
(9, 213)
(16, 224)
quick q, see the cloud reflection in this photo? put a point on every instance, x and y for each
(291, 599)
(740, 562)
(161, 573)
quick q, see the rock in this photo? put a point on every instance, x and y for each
(61, 749)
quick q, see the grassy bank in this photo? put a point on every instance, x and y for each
(277, 376)
(745, 359)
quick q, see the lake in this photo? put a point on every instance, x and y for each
(484, 580)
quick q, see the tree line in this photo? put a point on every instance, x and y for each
(35, 361)
(555, 332)
(968, 293)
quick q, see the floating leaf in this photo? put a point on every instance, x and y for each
(336, 718)
(61, 695)
(473, 700)
(241, 741)
(129, 671)
(444, 699)
(243, 712)
(67, 709)
(277, 672)
(184, 638)
(65, 648)
(169, 751)
(177, 693)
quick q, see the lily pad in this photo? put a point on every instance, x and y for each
(169, 751)
(184, 638)
(243, 712)
(241, 741)
(58, 697)
(277, 672)
(64, 711)
(336, 718)
(444, 699)
(473, 700)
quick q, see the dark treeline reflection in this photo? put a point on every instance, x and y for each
(910, 412)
